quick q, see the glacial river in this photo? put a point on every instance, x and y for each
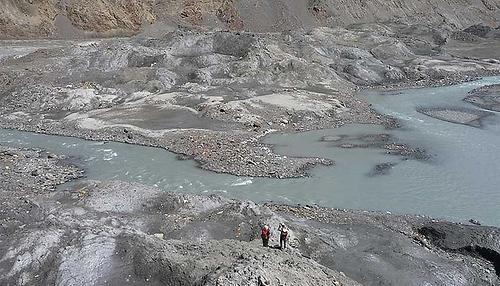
(460, 181)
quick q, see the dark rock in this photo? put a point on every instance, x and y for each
(479, 30)
(475, 222)
(477, 241)
(382, 169)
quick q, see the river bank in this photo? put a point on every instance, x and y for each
(132, 234)
(194, 95)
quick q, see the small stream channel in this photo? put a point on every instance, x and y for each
(460, 181)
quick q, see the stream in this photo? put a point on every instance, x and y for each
(459, 181)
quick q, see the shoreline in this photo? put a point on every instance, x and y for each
(264, 84)
(371, 211)
(143, 230)
(143, 140)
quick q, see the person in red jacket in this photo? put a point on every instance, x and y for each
(265, 234)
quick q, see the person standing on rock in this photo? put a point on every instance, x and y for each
(283, 235)
(265, 233)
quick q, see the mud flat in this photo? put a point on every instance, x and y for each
(470, 117)
(116, 232)
(380, 141)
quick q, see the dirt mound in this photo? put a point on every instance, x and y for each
(225, 262)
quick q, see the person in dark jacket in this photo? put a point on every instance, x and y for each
(283, 235)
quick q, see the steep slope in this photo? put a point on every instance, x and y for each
(455, 13)
(22, 19)
(70, 18)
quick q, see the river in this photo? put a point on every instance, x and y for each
(460, 181)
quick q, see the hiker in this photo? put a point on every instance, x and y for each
(265, 233)
(283, 235)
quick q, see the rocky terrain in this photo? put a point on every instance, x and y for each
(470, 117)
(487, 97)
(71, 18)
(116, 233)
(212, 96)
(208, 80)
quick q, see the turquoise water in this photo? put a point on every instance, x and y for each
(459, 182)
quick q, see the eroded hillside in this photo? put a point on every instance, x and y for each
(70, 18)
